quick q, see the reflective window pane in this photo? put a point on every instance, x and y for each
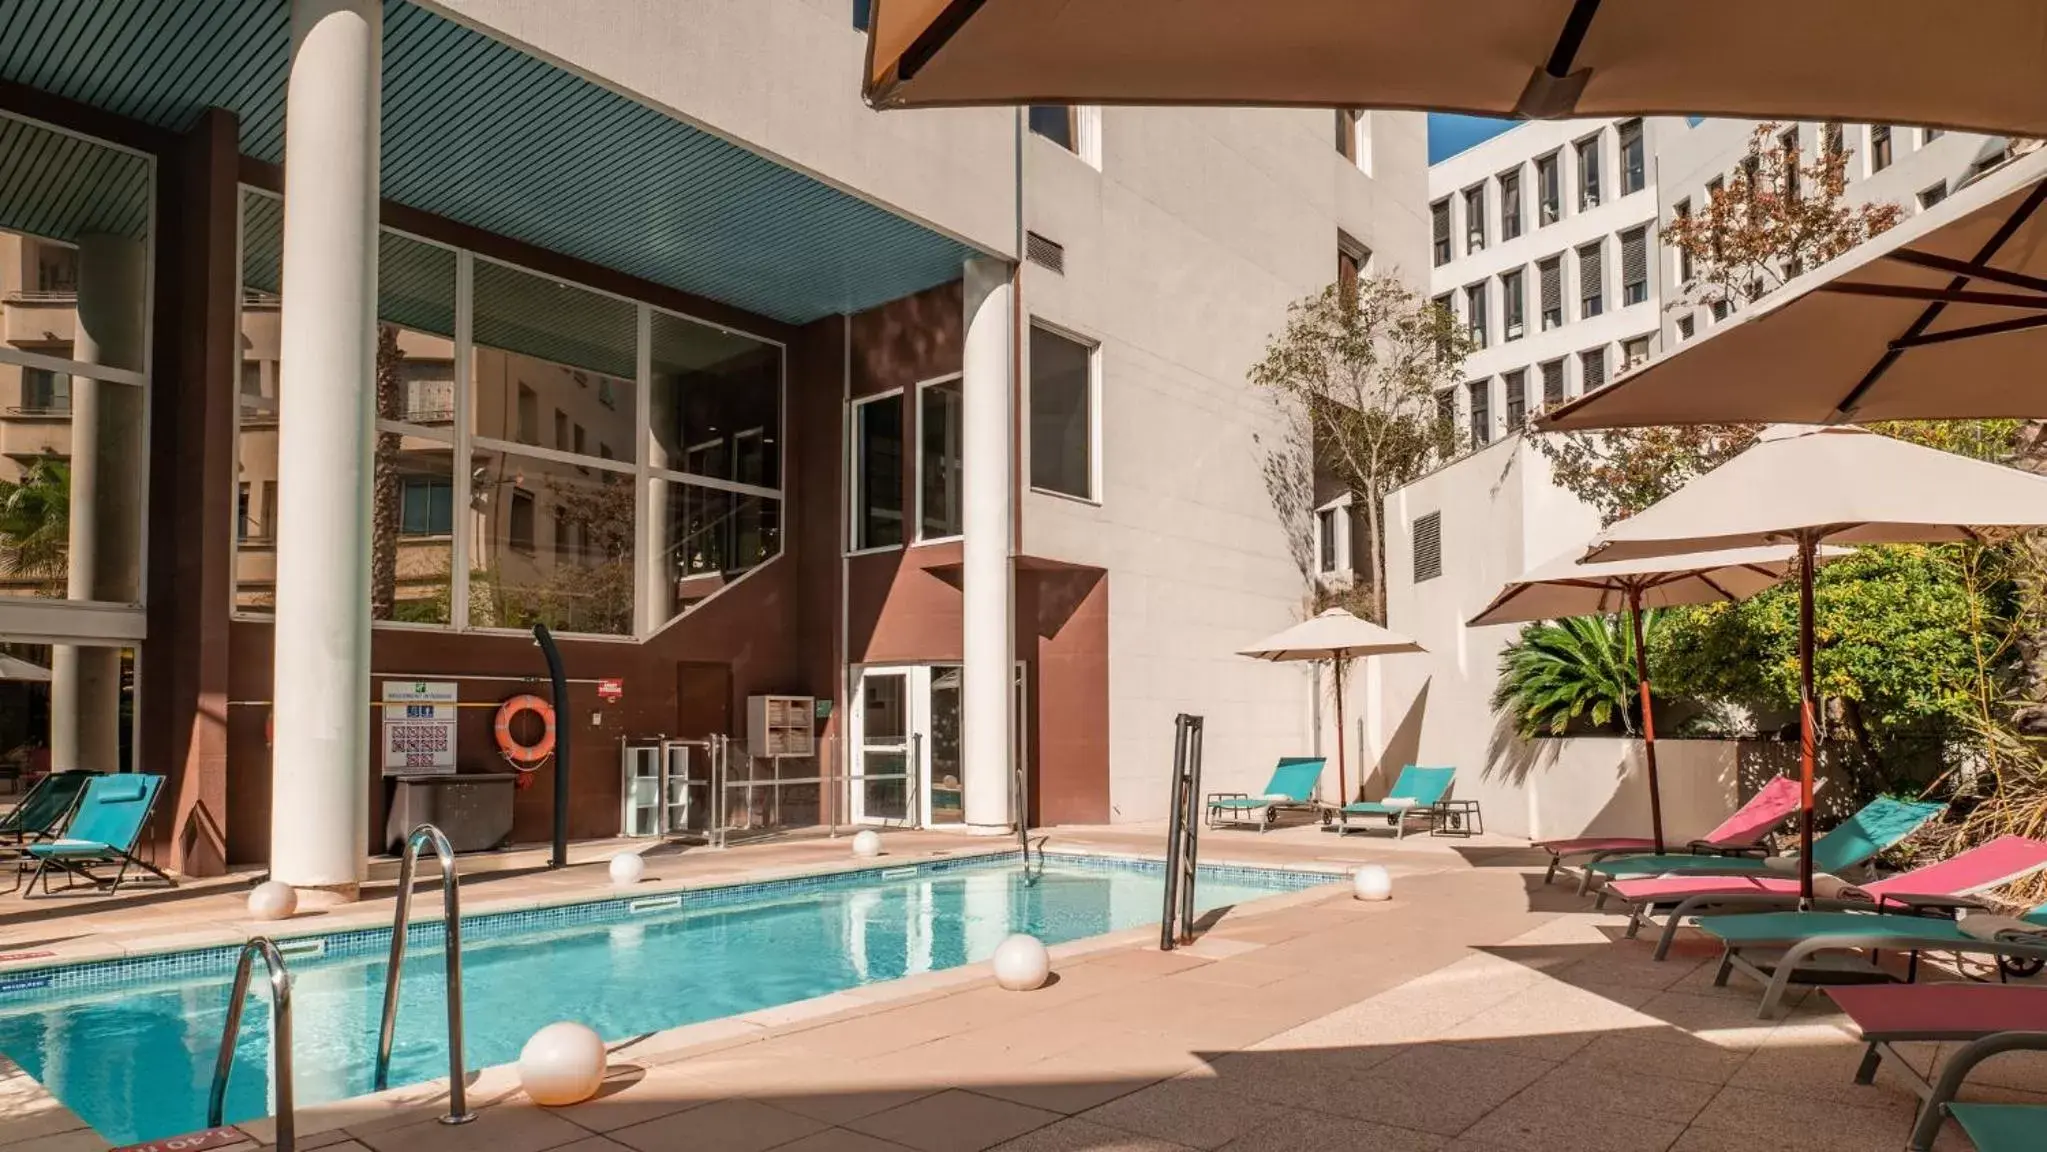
(709, 537)
(544, 347)
(938, 460)
(878, 473)
(257, 404)
(412, 535)
(551, 543)
(1062, 415)
(717, 403)
(64, 708)
(85, 435)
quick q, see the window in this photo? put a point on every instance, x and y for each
(1588, 173)
(1549, 193)
(1510, 204)
(1516, 383)
(1634, 266)
(939, 408)
(1514, 303)
(1352, 261)
(1551, 272)
(1474, 219)
(1592, 369)
(1074, 127)
(1062, 404)
(1686, 327)
(1439, 231)
(1446, 408)
(1682, 210)
(1929, 135)
(56, 269)
(1552, 383)
(44, 392)
(1932, 196)
(1055, 123)
(862, 11)
(1719, 310)
(1750, 168)
(1591, 280)
(519, 532)
(1347, 133)
(430, 392)
(1481, 393)
(426, 506)
(244, 526)
(1428, 546)
(529, 416)
(1879, 148)
(1325, 539)
(1634, 352)
(1474, 313)
(561, 430)
(1787, 151)
(878, 472)
(1833, 142)
(1634, 164)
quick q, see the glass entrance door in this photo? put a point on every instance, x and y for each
(882, 746)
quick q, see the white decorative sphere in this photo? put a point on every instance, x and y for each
(1021, 963)
(273, 900)
(562, 1064)
(867, 843)
(1371, 882)
(626, 869)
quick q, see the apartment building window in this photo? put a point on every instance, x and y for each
(1481, 394)
(1326, 520)
(1634, 352)
(1551, 272)
(1062, 406)
(1352, 261)
(1715, 189)
(1686, 326)
(1931, 196)
(529, 416)
(1474, 313)
(1750, 167)
(1055, 123)
(1720, 310)
(1428, 546)
(1682, 211)
(862, 11)
(519, 526)
(1588, 173)
(1592, 369)
(1879, 148)
(1591, 280)
(939, 411)
(1634, 266)
(1833, 141)
(1516, 384)
(1474, 219)
(426, 506)
(44, 392)
(1787, 147)
(1353, 140)
(878, 472)
(1513, 302)
(1929, 135)
(1446, 408)
(1549, 191)
(1510, 204)
(56, 268)
(244, 523)
(1634, 163)
(1439, 227)
(1552, 383)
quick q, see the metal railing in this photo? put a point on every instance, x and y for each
(280, 1038)
(401, 918)
(1183, 834)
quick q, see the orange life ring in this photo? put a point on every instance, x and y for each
(509, 746)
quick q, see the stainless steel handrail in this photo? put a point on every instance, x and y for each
(280, 1038)
(401, 919)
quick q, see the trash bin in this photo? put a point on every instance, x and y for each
(474, 812)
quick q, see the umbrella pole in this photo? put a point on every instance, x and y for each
(1648, 717)
(1342, 784)
(1807, 752)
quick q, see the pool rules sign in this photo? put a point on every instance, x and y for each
(419, 728)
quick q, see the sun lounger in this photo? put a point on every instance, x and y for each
(103, 832)
(1743, 831)
(37, 817)
(1417, 792)
(1883, 823)
(1292, 786)
(1991, 1127)
(1888, 1014)
(1948, 884)
(1779, 947)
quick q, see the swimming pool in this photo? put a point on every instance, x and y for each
(129, 1045)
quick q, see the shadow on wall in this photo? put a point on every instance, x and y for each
(1512, 759)
(1403, 747)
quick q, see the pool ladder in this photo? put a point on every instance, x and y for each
(401, 919)
(280, 1037)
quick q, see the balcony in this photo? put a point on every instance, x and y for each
(40, 319)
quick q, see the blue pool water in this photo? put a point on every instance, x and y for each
(130, 1046)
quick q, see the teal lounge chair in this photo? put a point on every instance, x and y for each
(1990, 1127)
(103, 832)
(1777, 948)
(1292, 786)
(1416, 793)
(38, 816)
(1882, 824)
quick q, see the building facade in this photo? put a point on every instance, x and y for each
(937, 419)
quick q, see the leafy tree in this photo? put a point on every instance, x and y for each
(1362, 364)
(1562, 673)
(35, 524)
(384, 504)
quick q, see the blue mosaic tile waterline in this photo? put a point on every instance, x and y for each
(129, 1044)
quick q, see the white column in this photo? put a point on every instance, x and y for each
(319, 793)
(105, 522)
(987, 495)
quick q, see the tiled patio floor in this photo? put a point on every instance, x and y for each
(1477, 1011)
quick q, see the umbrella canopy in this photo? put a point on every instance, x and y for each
(15, 668)
(1804, 485)
(1942, 317)
(1337, 636)
(1976, 66)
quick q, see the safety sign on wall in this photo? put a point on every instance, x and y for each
(419, 727)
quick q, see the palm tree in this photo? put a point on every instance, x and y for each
(1563, 671)
(35, 523)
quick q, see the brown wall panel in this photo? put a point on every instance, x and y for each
(1069, 619)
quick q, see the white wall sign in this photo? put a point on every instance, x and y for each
(419, 728)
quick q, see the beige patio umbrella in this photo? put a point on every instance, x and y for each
(1976, 66)
(1804, 485)
(1942, 317)
(1338, 637)
(1567, 586)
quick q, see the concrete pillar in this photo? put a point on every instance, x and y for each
(319, 807)
(107, 462)
(988, 640)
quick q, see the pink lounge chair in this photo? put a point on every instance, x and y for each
(1775, 803)
(1947, 884)
(1887, 1014)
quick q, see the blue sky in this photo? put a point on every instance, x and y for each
(1449, 135)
